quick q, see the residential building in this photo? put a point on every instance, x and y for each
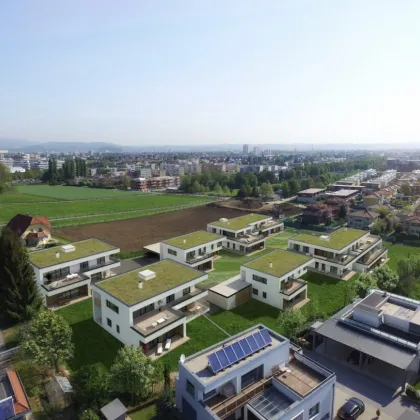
(411, 224)
(197, 250)
(342, 252)
(245, 149)
(6, 161)
(155, 183)
(65, 273)
(379, 335)
(362, 219)
(343, 194)
(310, 195)
(256, 374)
(275, 278)
(23, 162)
(371, 200)
(245, 234)
(145, 173)
(382, 181)
(150, 308)
(14, 403)
(32, 231)
(316, 214)
(39, 164)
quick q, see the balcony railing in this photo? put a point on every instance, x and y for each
(369, 259)
(290, 287)
(64, 281)
(112, 260)
(197, 258)
(248, 239)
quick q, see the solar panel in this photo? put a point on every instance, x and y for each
(260, 341)
(266, 336)
(238, 350)
(245, 346)
(222, 358)
(231, 354)
(252, 343)
(214, 363)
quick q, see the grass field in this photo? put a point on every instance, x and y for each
(17, 197)
(146, 413)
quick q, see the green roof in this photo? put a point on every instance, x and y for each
(87, 248)
(240, 222)
(193, 239)
(169, 274)
(282, 262)
(338, 239)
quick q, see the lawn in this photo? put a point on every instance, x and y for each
(17, 197)
(399, 251)
(92, 343)
(145, 413)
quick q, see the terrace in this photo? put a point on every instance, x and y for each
(291, 286)
(194, 258)
(193, 240)
(270, 224)
(112, 260)
(240, 223)
(63, 281)
(247, 239)
(154, 321)
(373, 256)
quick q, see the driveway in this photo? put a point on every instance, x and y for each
(374, 394)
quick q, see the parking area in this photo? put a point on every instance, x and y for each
(134, 264)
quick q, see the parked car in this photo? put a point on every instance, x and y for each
(351, 409)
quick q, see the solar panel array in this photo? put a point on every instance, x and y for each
(237, 351)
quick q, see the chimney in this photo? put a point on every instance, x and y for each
(57, 255)
(140, 284)
(270, 264)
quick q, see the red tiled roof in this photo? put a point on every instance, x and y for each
(20, 223)
(365, 213)
(37, 235)
(414, 218)
(20, 402)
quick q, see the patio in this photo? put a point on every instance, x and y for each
(156, 320)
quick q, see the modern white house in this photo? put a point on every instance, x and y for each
(310, 195)
(65, 273)
(256, 374)
(196, 249)
(150, 307)
(245, 234)
(342, 252)
(275, 278)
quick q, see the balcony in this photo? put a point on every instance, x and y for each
(291, 286)
(371, 257)
(198, 293)
(248, 239)
(112, 261)
(154, 321)
(270, 225)
(67, 280)
(197, 258)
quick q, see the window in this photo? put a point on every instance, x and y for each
(212, 246)
(100, 261)
(84, 265)
(262, 280)
(143, 310)
(296, 247)
(306, 249)
(209, 394)
(109, 322)
(170, 298)
(172, 252)
(264, 295)
(190, 388)
(96, 277)
(219, 244)
(113, 307)
(255, 292)
(186, 291)
(118, 329)
(313, 411)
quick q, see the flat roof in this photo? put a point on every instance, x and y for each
(193, 239)
(282, 262)
(341, 193)
(311, 191)
(337, 240)
(229, 287)
(169, 274)
(240, 222)
(89, 247)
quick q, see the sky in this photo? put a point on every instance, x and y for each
(221, 71)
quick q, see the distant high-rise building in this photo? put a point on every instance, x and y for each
(257, 150)
(245, 149)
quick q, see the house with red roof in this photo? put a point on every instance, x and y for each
(411, 224)
(14, 403)
(32, 230)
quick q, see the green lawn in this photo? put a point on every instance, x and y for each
(399, 251)
(92, 343)
(17, 197)
(144, 414)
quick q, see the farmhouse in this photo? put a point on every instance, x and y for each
(342, 252)
(151, 307)
(65, 274)
(275, 278)
(197, 249)
(32, 231)
(256, 374)
(245, 234)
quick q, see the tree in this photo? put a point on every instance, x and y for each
(47, 340)
(386, 278)
(217, 189)
(342, 211)
(266, 190)
(196, 187)
(405, 189)
(90, 384)
(255, 192)
(383, 211)
(125, 180)
(378, 227)
(294, 186)
(364, 283)
(285, 190)
(19, 293)
(242, 193)
(291, 323)
(88, 414)
(132, 372)
(226, 191)
(5, 177)
(165, 406)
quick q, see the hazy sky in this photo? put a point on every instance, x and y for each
(191, 72)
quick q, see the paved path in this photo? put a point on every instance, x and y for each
(220, 328)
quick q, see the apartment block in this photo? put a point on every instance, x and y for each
(246, 234)
(197, 250)
(149, 308)
(342, 252)
(310, 195)
(256, 374)
(65, 274)
(275, 278)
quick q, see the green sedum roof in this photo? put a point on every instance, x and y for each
(87, 248)
(169, 275)
(240, 222)
(193, 239)
(338, 239)
(282, 262)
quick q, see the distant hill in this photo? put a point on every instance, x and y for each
(58, 147)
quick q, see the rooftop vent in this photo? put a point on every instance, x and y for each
(147, 275)
(270, 264)
(57, 255)
(325, 238)
(68, 248)
(140, 284)
(223, 220)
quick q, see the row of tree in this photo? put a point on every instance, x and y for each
(4, 178)
(71, 169)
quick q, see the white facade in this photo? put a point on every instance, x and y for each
(202, 395)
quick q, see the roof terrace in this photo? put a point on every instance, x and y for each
(193, 239)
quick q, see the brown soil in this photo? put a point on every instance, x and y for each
(133, 234)
(247, 204)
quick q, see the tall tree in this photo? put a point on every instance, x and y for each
(386, 278)
(4, 178)
(19, 293)
(266, 190)
(47, 340)
(364, 283)
(342, 211)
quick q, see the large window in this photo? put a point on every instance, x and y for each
(259, 279)
(109, 322)
(190, 388)
(251, 377)
(143, 310)
(186, 291)
(100, 261)
(84, 265)
(56, 274)
(113, 307)
(219, 244)
(172, 252)
(170, 298)
(313, 411)
(255, 292)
